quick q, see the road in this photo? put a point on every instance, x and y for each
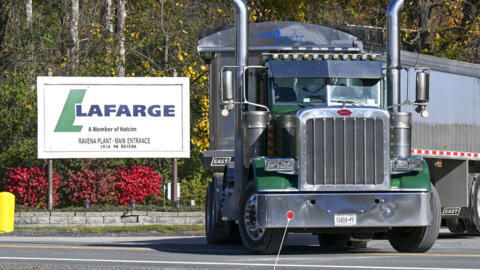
(301, 252)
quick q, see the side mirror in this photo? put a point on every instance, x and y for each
(228, 88)
(423, 87)
(227, 91)
(422, 92)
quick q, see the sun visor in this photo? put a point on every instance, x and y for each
(325, 68)
(283, 36)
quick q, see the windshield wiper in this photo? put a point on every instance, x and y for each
(348, 102)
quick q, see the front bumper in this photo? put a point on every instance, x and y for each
(319, 210)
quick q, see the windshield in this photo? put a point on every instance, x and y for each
(330, 91)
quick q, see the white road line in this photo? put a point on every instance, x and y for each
(230, 264)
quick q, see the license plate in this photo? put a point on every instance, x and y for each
(346, 220)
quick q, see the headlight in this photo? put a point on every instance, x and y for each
(408, 164)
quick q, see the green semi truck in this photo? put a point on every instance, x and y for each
(304, 121)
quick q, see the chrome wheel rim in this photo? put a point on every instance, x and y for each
(478, 203)
(250, 219)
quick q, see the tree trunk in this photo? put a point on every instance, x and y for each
(109, 21)
(424, 20)
(165, 34)
(28, 10)
(121, 15)
(5, 6)
(109, 17)
(75, 14)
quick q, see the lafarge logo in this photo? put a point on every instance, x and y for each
(73, 108)
(65, 122)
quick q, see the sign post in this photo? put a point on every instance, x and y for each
(175, 170)
(50, 168)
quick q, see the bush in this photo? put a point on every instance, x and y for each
(96, 186)
(136, 183)
(99, 186)
(194, 188)
(30, 186)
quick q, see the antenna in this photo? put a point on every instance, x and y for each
(290, 215)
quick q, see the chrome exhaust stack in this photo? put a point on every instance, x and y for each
(393, 54)
(241, 61)
(400, 140)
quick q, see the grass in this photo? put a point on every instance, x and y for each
(197, 229)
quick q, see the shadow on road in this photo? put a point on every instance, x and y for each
(296, 244)
(457, 235)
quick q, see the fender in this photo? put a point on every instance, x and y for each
(412, 180)
(271, 181)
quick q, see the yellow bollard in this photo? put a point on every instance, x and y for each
(7, 211)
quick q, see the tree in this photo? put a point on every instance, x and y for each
(28, 11)
(75, 14)
(5, 6)
(121, 15)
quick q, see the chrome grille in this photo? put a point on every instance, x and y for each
(345, 152)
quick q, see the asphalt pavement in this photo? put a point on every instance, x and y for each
(190, 252)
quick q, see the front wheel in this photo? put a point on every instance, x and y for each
(418, 239)
(214, 231)
(256, 240)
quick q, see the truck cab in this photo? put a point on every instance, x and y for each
(310, 133)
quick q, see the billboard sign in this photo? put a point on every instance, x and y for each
(111, 117)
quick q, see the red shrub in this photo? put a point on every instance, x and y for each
(96, 186)
(136, 183)
(30, 186)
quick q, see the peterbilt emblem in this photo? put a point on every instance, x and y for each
(344, 112)
(219, 161)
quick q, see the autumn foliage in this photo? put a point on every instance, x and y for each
(30, 186)
(136, 183)
(98, 186)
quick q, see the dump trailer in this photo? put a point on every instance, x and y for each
(449, 137)
(310, 130)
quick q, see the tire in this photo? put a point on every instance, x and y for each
(256, 240)
(214, 231)
(472, 223)
(455, 225)
(418, 239)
